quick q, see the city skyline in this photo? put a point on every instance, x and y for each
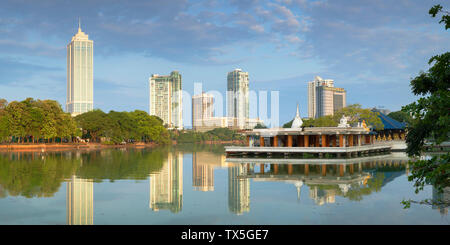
(282, 44)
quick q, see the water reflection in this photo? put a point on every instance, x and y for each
(438, 200)
(321, 181)
(80, 201)
(325, 179)
(203, 165)
(166, 185)
(238, 189)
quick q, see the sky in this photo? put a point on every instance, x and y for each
(370, 48)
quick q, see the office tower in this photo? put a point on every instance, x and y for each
(202, 109)
(323, 98)
(238, 189)
(166, 186)
(80, 202)
(165, 99)
(80, 85)
(237, 97)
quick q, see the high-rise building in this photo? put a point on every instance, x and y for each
(237, 97)
(166, 186)
(323, 98)
(80, 85)
(80, 202)
(165, 99)
(202, 109)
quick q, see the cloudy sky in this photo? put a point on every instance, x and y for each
(370, 48)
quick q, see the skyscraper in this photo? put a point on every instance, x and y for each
(202, 108)
(80, 85)
(237, 96)
(165, 99)
(323, 98)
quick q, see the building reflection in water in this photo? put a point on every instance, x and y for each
(203, 164)
(166, 186)
(325, 179)
(238, 189)
(80, 201)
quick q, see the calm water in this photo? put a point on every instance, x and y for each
(199, 186)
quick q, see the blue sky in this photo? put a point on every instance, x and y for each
(370, 48)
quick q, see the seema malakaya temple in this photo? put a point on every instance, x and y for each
(343, 140)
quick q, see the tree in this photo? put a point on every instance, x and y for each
(401, 116)
(259, 125)
(431, 119)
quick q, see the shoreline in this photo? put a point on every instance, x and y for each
(44, 147)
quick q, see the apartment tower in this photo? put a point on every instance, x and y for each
(165, 99)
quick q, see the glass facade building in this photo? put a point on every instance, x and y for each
(80, 85)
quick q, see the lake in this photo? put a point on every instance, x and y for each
(196, 184)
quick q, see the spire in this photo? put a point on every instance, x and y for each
(79, 24)
(298, 114)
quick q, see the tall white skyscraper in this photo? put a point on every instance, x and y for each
(237, 96)
(166, 99)
(80, 85)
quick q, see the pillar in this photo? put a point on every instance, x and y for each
(324, 140)
(275, 168)
(275, 141)
(248, 140)
(316, 140)
(333, 140)
(324, 170)
(341, 170)
(350, 140)
(289, 141)
(261, 168)
(306, 137)
(306, 169)
(290, 169)
(261, 141)
(300, 141)
(351, 169)
(341, 140)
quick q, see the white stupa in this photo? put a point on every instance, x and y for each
(297, 123)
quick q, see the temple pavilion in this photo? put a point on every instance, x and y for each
(298, 139)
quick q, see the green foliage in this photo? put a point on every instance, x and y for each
(435, 171)
(120, 127)
(288, 124)
(445, 17)
(355, 112)
(25, 175)
(259, 125)
(33, 120)
(217, 134)
(401, 116)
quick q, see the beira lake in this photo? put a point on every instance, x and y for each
(197, 184)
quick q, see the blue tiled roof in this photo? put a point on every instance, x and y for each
(390, 123)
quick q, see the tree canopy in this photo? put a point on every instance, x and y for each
(34, 120)
(431, 113)
(354, 111)
(119, 127)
